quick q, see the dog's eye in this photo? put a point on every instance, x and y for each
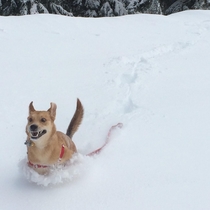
(30, 119)
(43, 120)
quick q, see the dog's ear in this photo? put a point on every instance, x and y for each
(52, 110)
(31, 107)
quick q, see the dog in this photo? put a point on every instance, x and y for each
(47, 147)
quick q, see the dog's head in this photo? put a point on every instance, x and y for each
(40, 123)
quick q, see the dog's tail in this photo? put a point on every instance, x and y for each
(76, 120)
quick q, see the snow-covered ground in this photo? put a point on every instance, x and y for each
(149, 72)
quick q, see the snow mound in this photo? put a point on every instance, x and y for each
(58, 174)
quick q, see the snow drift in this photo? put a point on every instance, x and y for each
(149, 72)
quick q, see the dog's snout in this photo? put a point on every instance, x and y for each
(33, 127)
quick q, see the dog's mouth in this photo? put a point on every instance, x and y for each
(37, 134)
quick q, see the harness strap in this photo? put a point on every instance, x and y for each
(62, 153)
(36, 165)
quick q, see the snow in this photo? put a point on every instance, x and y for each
(149, 72)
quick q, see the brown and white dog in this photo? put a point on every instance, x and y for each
(47, 147)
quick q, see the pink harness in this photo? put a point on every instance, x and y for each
(43, 166)
(119, 125)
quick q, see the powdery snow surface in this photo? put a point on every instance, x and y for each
(149, 72)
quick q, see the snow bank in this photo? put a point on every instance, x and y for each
(149, 72)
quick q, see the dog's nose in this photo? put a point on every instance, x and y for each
(33, 127)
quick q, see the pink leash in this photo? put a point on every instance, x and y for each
(119, 125)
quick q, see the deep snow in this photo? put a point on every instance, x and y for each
(149, 72)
